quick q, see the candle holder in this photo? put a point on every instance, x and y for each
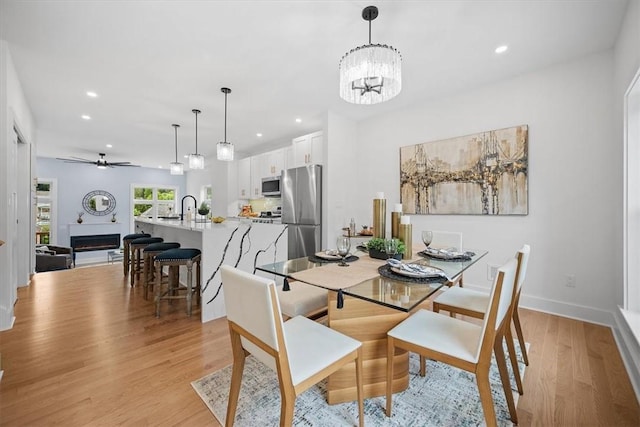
(379, 218)
(395, 224)
(405, 236)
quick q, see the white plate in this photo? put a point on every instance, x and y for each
(324, 255)
(429, 272)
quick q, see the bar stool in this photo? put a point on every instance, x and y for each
(126, 261)
(148, 254)
(137, 245)
(174, 258)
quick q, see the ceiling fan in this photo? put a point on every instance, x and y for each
(101, 163)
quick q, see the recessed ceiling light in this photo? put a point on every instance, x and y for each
(502, 49)
(159, 166)
(298, 120)
(85, 117)
(259, 135)
(109, 146)
(92, 94)
(186, 156)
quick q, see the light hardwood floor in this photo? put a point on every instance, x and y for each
(86, 349)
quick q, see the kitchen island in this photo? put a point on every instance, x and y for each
(240, 243)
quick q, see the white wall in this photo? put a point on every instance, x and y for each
(626, 64)
(574, 216)
(14, 111)
(222, 176)
(340, 176)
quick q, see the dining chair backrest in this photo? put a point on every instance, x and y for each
(523, 255)
(252, 304)
(499, 303)
(447, 239)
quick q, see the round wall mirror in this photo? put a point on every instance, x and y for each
(99, 202)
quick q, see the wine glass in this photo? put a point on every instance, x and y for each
(391, 247)
(343, 245)
(427, 237)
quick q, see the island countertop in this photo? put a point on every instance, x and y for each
(237, 242)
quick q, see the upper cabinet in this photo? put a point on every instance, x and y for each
(305, 150)
(273, 163)
(308, 149)
(257, 171)
(244, 178)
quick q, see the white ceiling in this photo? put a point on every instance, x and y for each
(152, 62)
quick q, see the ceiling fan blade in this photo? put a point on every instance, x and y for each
(127, 164)
(119, 163)
(75, 160)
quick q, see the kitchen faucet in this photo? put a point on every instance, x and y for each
(195, 205)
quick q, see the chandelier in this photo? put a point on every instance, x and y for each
(371, 73)
(176, 168)
(225, 149)
(196, 161)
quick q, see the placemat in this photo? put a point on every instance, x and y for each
(317, 259)
(385, 271)
(332, 276)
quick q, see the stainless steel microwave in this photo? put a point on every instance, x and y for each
(271, 187)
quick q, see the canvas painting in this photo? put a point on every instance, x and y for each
(480, 174)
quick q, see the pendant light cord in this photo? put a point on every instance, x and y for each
(225, 117)
(370, 31)
(196, 133)
(175, 127)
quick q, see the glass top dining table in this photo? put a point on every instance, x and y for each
(396, 292)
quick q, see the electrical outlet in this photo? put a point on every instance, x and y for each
(492, 270)
(570, 280)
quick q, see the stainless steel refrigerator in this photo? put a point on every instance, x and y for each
(302, 209)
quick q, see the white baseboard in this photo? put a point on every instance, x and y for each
(629, 350)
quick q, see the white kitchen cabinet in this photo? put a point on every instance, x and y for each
(272, 163)
(244, 178)
(308, 149)
(257, 171)
(289, 158)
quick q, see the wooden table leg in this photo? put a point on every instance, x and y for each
(368, 323)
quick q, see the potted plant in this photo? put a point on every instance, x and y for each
(203, 209)
(376, 248)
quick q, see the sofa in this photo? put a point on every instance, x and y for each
(52, 257)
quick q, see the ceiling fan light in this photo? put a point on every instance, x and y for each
(176, 168)
(196, 161)
(101, 166)
(225, 151)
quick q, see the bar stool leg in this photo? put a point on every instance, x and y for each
(189, 286)
(158, 286)
(125, 259)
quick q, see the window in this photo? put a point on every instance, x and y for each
(45, 211)
(206, 195)
(153, 201)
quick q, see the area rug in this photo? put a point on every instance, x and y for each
(446, 396)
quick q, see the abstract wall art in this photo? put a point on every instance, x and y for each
(481, 174)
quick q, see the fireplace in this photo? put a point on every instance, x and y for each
(95, 242)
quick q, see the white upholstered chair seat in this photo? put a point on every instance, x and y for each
(464, 298)
(441, 333)
(302, 299)
(311, 347)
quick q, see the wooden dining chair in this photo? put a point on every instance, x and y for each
(461, 344)
(301, 351)
(448, 240)
(474, 304)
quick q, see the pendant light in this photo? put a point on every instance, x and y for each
(176, 168)
(196, 161)
(225, 149)
(371, 73)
